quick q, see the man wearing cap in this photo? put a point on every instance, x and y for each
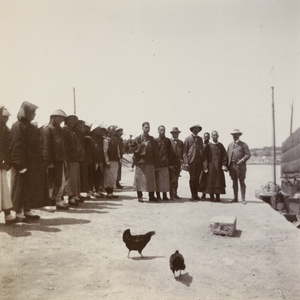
(112, 157)
(54, 153)
(175, 170)
(71, 143)
(238, 153)
(96, 168)
(192, 159)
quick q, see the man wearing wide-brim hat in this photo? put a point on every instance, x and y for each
(54, 154)
(175, 170)
(238, 153)
(192, 159)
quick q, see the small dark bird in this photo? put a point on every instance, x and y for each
(177, 262)
(136, 242)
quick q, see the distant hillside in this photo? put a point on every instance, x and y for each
(264, 156)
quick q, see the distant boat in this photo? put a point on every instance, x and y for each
(286, 198)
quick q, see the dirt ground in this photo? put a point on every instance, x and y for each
(79, 254)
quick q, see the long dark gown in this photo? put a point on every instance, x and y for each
(214, 158)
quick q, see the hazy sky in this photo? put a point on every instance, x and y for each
(168, 62)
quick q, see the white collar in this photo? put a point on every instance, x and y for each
(214, 142)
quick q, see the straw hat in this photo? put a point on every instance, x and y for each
(196, 125)
(236, 131)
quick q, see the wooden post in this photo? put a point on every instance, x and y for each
(74, 101)
(292, 111)
(274, 140)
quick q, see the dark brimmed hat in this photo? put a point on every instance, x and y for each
(196, 125)
(175, 130)
(74, 116)
(236, 131)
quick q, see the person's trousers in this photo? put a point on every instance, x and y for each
(195, 170)
(237, 175)
(174, 175)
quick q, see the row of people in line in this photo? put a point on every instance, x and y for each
(51, 162)
(159, 162)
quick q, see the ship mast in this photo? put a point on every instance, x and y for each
(274, 141)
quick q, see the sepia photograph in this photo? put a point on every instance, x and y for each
(150, 149)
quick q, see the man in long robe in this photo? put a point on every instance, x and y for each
(214, 164)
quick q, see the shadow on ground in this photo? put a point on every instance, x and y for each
(24, 229)
(146, 257)
(185, 278)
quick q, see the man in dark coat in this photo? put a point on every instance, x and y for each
(119, 133)
(145, 159)
(192, 159)
(72, 188)
(175, 169)
(28, 173)
(214, 164)
(55, 157)
(96, 168)
(167, 156)
(203, 176)
(238, 153)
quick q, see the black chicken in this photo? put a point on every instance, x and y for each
(136, 242)
(176, 262)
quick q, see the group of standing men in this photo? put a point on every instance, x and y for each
(159, 162)
(52, 163)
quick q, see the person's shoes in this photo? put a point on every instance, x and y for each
(244, 201)
(97, 195)
(153, 199)
(203, 197)
(119, 186)
(20, 217)
(62, 205)
(177, 197)
(234, 200)
(73, 202)
(158, 197)
(112, 196)
(140, 199)
(197, 198)
(31, 215)
(165, 198)
(77, 199)
(172, 198)
(9, 219)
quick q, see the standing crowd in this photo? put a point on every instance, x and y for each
(52, 163)
(159, 162)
